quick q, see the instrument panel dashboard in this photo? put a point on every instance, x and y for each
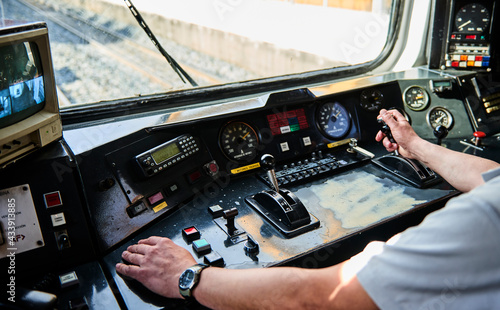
(164, 172)
(292, 126)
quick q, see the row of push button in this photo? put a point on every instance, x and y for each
(465, 61)
(201, 247)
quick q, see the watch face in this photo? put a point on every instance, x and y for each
(186, 279)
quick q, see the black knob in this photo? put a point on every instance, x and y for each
(440, 132)
(267, 161)
(63, 241)
(251, 246)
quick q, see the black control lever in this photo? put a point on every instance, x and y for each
(280, 206)
(410, 170)
(386, 130)
(267, 162)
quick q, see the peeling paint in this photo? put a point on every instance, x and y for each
(360, 199)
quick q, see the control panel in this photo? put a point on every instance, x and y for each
(470, 37)
(210, 186)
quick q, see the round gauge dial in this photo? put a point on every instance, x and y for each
(472, 18)
(333, 120)
(239, 141)
(440, 116)
(371, 99)
(416, 98)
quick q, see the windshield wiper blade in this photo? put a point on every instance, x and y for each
(177, 68)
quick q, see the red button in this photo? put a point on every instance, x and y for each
(479, 134)
(191, 233)
(52, 199)
(213, 168)
(193, 177)
(190, 230)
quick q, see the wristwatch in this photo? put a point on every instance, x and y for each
(189, 279)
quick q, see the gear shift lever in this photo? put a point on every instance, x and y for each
(281, 207)
(267, 162)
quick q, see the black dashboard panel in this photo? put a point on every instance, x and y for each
(175, 170)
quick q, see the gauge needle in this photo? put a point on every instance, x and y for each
(465, 24)
(243, 138)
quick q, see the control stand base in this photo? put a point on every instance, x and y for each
(284, 211)
(409, 170)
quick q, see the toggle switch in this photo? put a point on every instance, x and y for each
(229, 215)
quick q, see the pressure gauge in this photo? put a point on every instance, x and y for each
(440, 116)
(416, 98)
(371, 100)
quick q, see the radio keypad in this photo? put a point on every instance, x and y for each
(187, 146)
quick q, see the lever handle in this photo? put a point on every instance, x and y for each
(267, 162)
(387, 131)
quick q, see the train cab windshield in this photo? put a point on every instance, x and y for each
(148, 48)
(214, 154)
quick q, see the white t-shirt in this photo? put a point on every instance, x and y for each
(450, 261)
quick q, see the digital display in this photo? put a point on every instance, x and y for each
(441, 83)
(289, 121)
(22, 91)
(165, 153)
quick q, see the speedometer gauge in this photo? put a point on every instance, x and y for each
(416, 98)
(239, 141)
(472, 18)
(333, 120)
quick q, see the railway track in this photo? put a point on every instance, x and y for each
(102, 56)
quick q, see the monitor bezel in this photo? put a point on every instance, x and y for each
(43, 126)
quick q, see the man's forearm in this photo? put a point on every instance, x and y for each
(462, 171)
(280, 288)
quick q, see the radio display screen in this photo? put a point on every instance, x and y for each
(288, 121)
(165, 153)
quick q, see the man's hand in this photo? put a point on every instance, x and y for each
(157, 263)
(402, 132)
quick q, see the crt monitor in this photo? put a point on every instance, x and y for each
(29, 111)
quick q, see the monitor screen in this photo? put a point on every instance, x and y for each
(22, 91)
